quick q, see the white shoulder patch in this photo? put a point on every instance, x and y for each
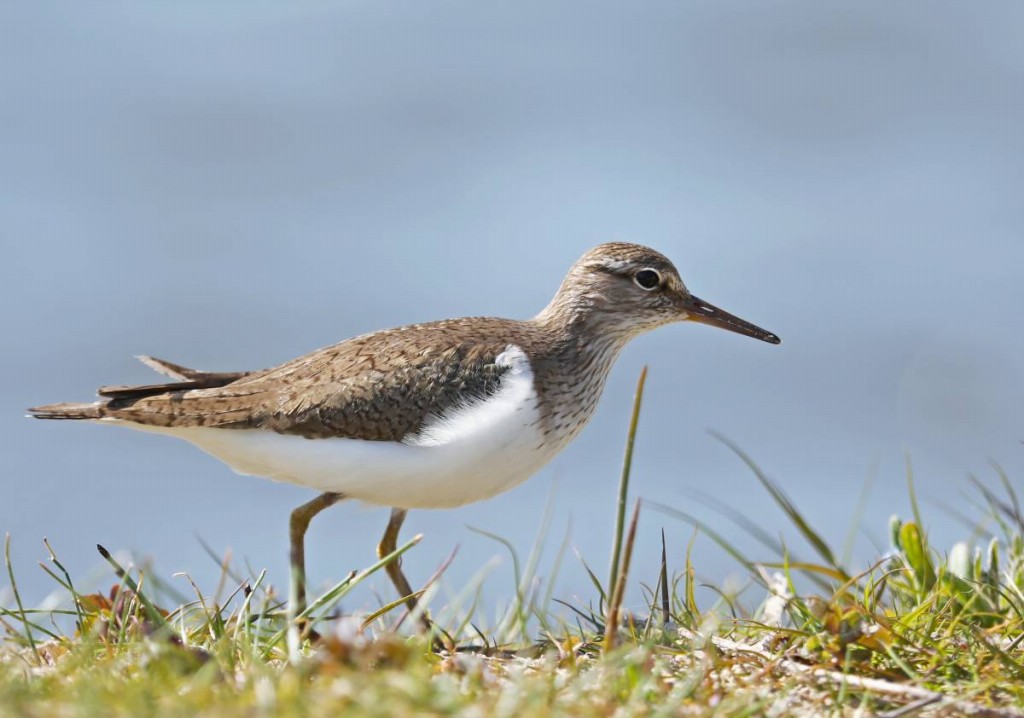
(515, 400)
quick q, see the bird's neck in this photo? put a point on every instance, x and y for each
(577, 362)
(578, 327)
(583, 345)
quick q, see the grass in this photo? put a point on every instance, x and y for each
(922, 631)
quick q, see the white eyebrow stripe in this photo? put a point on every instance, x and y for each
(614, 265)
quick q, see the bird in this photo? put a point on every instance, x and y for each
(424, 416)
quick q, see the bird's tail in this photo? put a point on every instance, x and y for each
(68, 411)
(118, 397)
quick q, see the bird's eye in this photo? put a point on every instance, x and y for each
(647, 279)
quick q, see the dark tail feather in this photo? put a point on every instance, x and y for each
(68, 411)
(183, 373)
(121, 396)
(140, 392)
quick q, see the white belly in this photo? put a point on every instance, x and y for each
(478, 451)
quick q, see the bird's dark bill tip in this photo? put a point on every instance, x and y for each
(705, 313)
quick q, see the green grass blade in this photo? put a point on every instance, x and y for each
(785, 503)
(627, 464)
(151, 610)
(722, 542)
(17, 598)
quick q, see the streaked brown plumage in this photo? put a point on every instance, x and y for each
(383, 386)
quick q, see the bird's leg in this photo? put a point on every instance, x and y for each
(388, 544)
(297, 527)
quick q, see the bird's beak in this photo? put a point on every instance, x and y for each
(698, 310)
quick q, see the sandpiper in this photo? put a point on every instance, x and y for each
(431, 415)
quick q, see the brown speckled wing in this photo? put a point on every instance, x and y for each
(381, 386)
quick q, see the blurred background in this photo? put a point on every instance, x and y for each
(230, 185)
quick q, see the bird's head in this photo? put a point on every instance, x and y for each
(627, 289)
